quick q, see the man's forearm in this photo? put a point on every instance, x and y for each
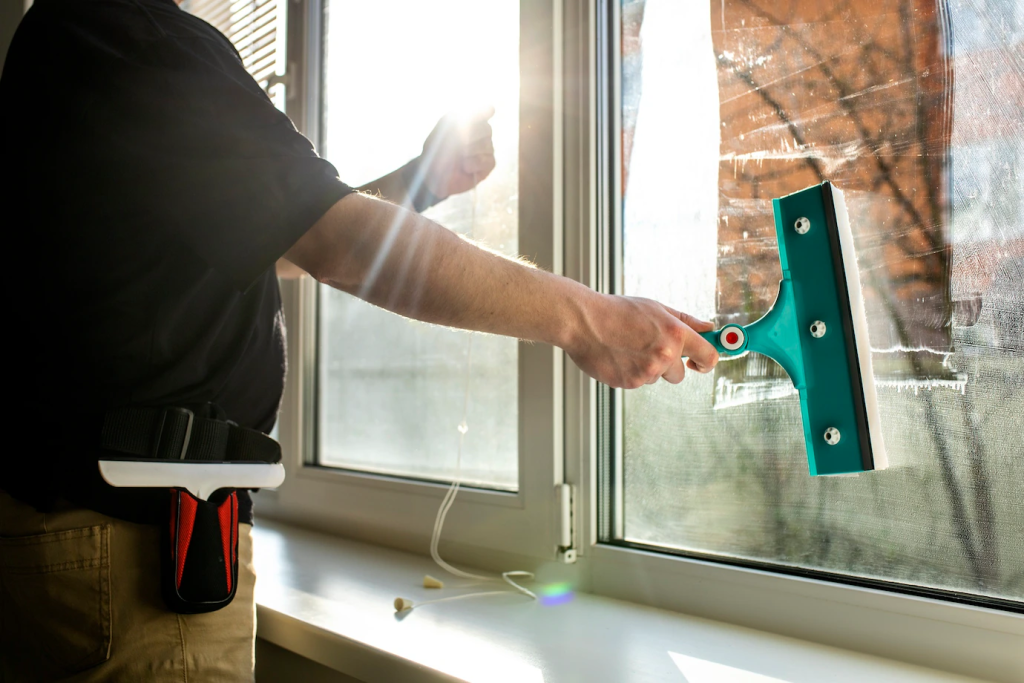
(392, 187)
(405, 186)
(407, 264)
(403, 262)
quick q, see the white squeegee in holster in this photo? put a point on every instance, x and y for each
(202, 460)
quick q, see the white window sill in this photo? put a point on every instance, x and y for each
(330, 600)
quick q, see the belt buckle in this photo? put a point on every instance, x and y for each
(188, 430)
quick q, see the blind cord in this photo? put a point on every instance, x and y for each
(403, 604)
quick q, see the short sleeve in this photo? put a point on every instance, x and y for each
(199, 152)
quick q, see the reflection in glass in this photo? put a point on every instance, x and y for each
(391, 391)
(914, 109)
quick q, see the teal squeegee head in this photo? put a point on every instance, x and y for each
(817, 331)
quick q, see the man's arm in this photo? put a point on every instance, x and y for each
(394, 187)
(398, 260)
(286, 270)
(457, 155)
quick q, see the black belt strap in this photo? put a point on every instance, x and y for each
(180, 434)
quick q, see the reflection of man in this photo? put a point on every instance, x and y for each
(159, 186)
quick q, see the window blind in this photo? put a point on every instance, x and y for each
(255, 27)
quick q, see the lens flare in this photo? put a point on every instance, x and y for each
(555, 594)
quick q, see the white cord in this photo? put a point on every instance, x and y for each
(402, 604)
(449, 500)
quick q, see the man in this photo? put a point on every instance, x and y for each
(153, 186)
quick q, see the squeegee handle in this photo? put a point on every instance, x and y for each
(775, 335)
(715, 338)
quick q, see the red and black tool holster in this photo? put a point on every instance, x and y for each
(199, 571)
(199, 541)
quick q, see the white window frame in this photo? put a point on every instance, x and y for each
(562, 228)
(962, 638)
(372, 507)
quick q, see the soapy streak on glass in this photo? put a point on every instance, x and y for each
(390, 391)
(916, 110)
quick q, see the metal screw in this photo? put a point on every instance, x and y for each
(817, 329)
(802, 225)
(831, 436)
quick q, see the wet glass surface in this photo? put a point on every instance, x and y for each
(915, 109)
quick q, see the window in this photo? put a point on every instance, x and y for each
(373, 402)
(391, 392)
(905, 105)
(620, 173)
(257, 28)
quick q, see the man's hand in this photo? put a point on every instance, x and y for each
(627, 342)
(457, 154)
(407, 264)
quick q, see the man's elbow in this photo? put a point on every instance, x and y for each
(286, 270)
(347, 243)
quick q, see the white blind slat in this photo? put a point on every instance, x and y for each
(251, 25)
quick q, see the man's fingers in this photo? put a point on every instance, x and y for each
(675, 373)
(476, 130)
(481, 146)
(695, 323)
(483, 113)
(700, 351)
(479, 165)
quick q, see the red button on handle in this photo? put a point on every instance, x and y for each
(732, 338)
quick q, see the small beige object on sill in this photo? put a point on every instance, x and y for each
(430, 582)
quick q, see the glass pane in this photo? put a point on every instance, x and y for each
(392, 391)
(914, 109)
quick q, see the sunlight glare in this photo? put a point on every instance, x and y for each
(397, 66)
(697, 670)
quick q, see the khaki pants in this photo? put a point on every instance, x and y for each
(80, 601)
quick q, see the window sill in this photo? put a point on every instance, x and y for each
(330, 601)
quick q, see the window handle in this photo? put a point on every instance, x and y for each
(284, 79)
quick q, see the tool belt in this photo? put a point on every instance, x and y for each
(199, 538)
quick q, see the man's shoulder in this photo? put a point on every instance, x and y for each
(97, 34)
(119, 21)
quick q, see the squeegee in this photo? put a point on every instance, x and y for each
(817, 331)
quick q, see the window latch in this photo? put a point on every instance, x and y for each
(284, 79)
(564, 493)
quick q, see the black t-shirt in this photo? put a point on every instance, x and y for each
(149, 186)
